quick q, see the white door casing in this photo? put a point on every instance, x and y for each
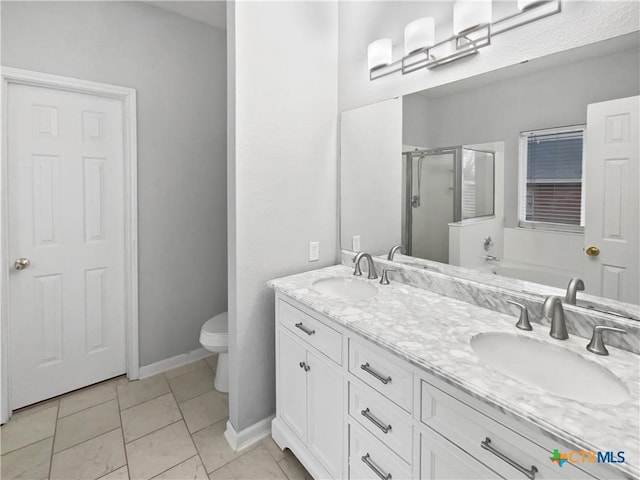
(612, 223)
(69, 205)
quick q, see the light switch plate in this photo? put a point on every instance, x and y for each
(355, 243)
(314, 251)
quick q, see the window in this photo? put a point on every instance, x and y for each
(551, 193)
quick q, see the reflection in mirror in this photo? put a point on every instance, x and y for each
(476, 194)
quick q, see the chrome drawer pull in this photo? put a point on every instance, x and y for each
(305, 329)
(366, 414)
(371, 371)
(377, 471)
(530, 473)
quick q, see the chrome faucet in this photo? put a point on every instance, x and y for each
(552, 308)
(575, 285)
(393, 251)
(372, 268)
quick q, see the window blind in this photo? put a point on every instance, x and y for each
(554, 177)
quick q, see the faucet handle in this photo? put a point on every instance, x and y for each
(384, 280)
(523, 320)
(356, 271)
(596, 345)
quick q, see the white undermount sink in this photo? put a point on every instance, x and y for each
(553, 368)
(343, 287)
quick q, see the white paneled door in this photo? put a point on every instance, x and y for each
(612, 223)
(66, 237)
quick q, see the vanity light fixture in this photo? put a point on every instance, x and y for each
(419, 34)
(473, 30)
(379, 53)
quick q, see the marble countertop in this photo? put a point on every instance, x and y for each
(433, 332)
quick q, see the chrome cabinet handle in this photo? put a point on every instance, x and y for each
(305, 366)
(305, 329)
(22, 263)
(373, 467)
(367, 414)
(530, 473)
(371, 371)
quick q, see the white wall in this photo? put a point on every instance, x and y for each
(579, 23)
(371, 176)
(282, 175)
(177, 66)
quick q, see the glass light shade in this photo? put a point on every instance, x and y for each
(420, 33)
(524, 4)
(468, 14)
(379, 53)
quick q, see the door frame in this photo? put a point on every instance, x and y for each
(127, 96)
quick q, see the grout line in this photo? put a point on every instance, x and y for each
(53, 441)
(124, 444)
(185, 460)
(87, 408)
(85, 441)
(142, 403)
(153, 431)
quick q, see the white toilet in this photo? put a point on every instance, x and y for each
(214, 337)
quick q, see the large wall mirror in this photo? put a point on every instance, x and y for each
(505, 177)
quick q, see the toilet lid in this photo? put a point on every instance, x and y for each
(218, 325)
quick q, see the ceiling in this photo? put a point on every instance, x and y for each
(211, 12)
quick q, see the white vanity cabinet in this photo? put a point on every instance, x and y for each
(349, 408)
(310, 403)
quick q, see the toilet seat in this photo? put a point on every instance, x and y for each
(215, 332)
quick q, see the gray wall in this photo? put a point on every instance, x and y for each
(178, 67)
(282, 175)
(548, 98)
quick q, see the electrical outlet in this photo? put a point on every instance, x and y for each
(314, 251)
(355, 243)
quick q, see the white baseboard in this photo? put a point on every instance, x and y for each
(173, 362)
(250, 435)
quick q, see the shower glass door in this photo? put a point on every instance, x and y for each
(432, 185)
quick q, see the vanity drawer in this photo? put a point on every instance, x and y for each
(467, 428)
(311, 330)
(371, 459)
(383, 419)
(391, 378)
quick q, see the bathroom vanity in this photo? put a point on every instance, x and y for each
(386, 385)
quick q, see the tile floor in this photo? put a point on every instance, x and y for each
(169, 426)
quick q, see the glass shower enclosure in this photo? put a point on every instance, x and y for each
(443, 186)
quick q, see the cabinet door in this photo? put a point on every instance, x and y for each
(325, 385)
(292, 384)
(442, 460)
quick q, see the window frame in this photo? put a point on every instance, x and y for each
(522, 181)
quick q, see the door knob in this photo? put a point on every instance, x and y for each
(22, 263)
(592, 251)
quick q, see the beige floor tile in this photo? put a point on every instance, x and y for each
(91, 459)
(212, 361)
(272, 447)
(223, 473)
(192, 384)
(28, 462)
(87, 397)
(35, 408)
(184, 369)
(86, 424)
(205, 410)
(140, 391)
(27, 429)
(163, 449)
(213, 447)
(119, 474)
(149, 416)
(292, 467)
(257, 464)
(191, 469)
